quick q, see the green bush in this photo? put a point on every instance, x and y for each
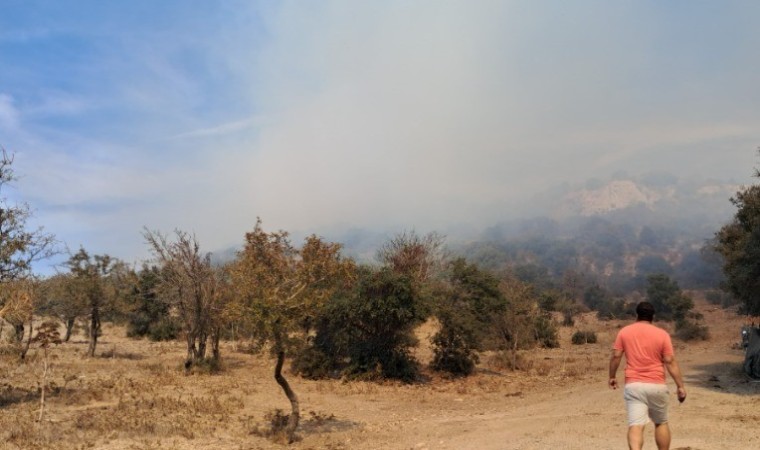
(545, 331)
(365, 332)
(165, 329)
(688, 330)
(452, 352)
(584, 337)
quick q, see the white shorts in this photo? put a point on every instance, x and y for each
(644, 401)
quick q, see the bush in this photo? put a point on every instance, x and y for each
(452, 353)
(584, 337)
(166, 329)
(545, 331)
(365, 332)
(312, 363)
(687, 330)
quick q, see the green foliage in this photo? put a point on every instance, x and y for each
(453, 351)
(366, 331)
(666, 297)
(545, 331)
(583, 337)
(720, 298)
(739, 244)
(150, 312)
(690, 330)
(468, 303)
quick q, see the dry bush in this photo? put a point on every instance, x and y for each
(274, 427)
(505, 360)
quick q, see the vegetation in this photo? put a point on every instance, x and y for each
(583, 337)
(333, 318)
(283, 289)
(738, 243)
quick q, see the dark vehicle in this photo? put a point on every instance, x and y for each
(751, 344)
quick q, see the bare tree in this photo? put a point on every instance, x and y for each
(192, 287)
(411, 254)
(19, 245)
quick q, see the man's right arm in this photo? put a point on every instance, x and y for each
(675, 371)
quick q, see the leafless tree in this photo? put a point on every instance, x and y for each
(411, 254)
(190, 283)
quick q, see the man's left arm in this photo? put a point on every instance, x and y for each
(617, 356)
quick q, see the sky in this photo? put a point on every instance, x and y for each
(317, 116)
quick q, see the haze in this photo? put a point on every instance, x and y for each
(328, 115)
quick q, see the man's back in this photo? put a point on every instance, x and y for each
(644, 346)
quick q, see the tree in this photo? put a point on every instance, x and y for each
(18, 300)
(284, 288)
(91, 288)
(19, 246)
(413, 255)
(150, 314)
(524, 324)
(468, 303)
(666, 297)
(63, 299)
(188, 282)
(738, 242)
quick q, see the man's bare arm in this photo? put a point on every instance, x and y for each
(617, 356)
(675, 371)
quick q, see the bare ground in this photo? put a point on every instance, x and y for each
(136, 396)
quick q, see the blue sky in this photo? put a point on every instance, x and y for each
(314, 115)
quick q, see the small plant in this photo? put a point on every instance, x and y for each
(275, 428)
(584, 337)
(47, 335)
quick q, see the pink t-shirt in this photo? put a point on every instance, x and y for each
(644, 346)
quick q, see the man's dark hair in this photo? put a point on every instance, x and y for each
(645, 311)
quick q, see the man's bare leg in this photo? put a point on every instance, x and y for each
(662, 436)
(635, 437)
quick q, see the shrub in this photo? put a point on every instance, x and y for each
(313, 363)
(545, 331)
(584, 337)
(166, 329)
(366, 331)
(452, 352)
(688, 330)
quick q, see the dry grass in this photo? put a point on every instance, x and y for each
(136, 395)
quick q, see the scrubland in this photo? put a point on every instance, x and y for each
(135, 394)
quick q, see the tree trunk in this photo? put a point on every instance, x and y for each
(294, 413)
(25, 347)
(202, 346)
(215, 336)
(19, 328)
(69, 328)
(94, 330)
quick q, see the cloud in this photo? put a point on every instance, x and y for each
(9, 116)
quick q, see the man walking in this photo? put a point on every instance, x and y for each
(648, 351)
